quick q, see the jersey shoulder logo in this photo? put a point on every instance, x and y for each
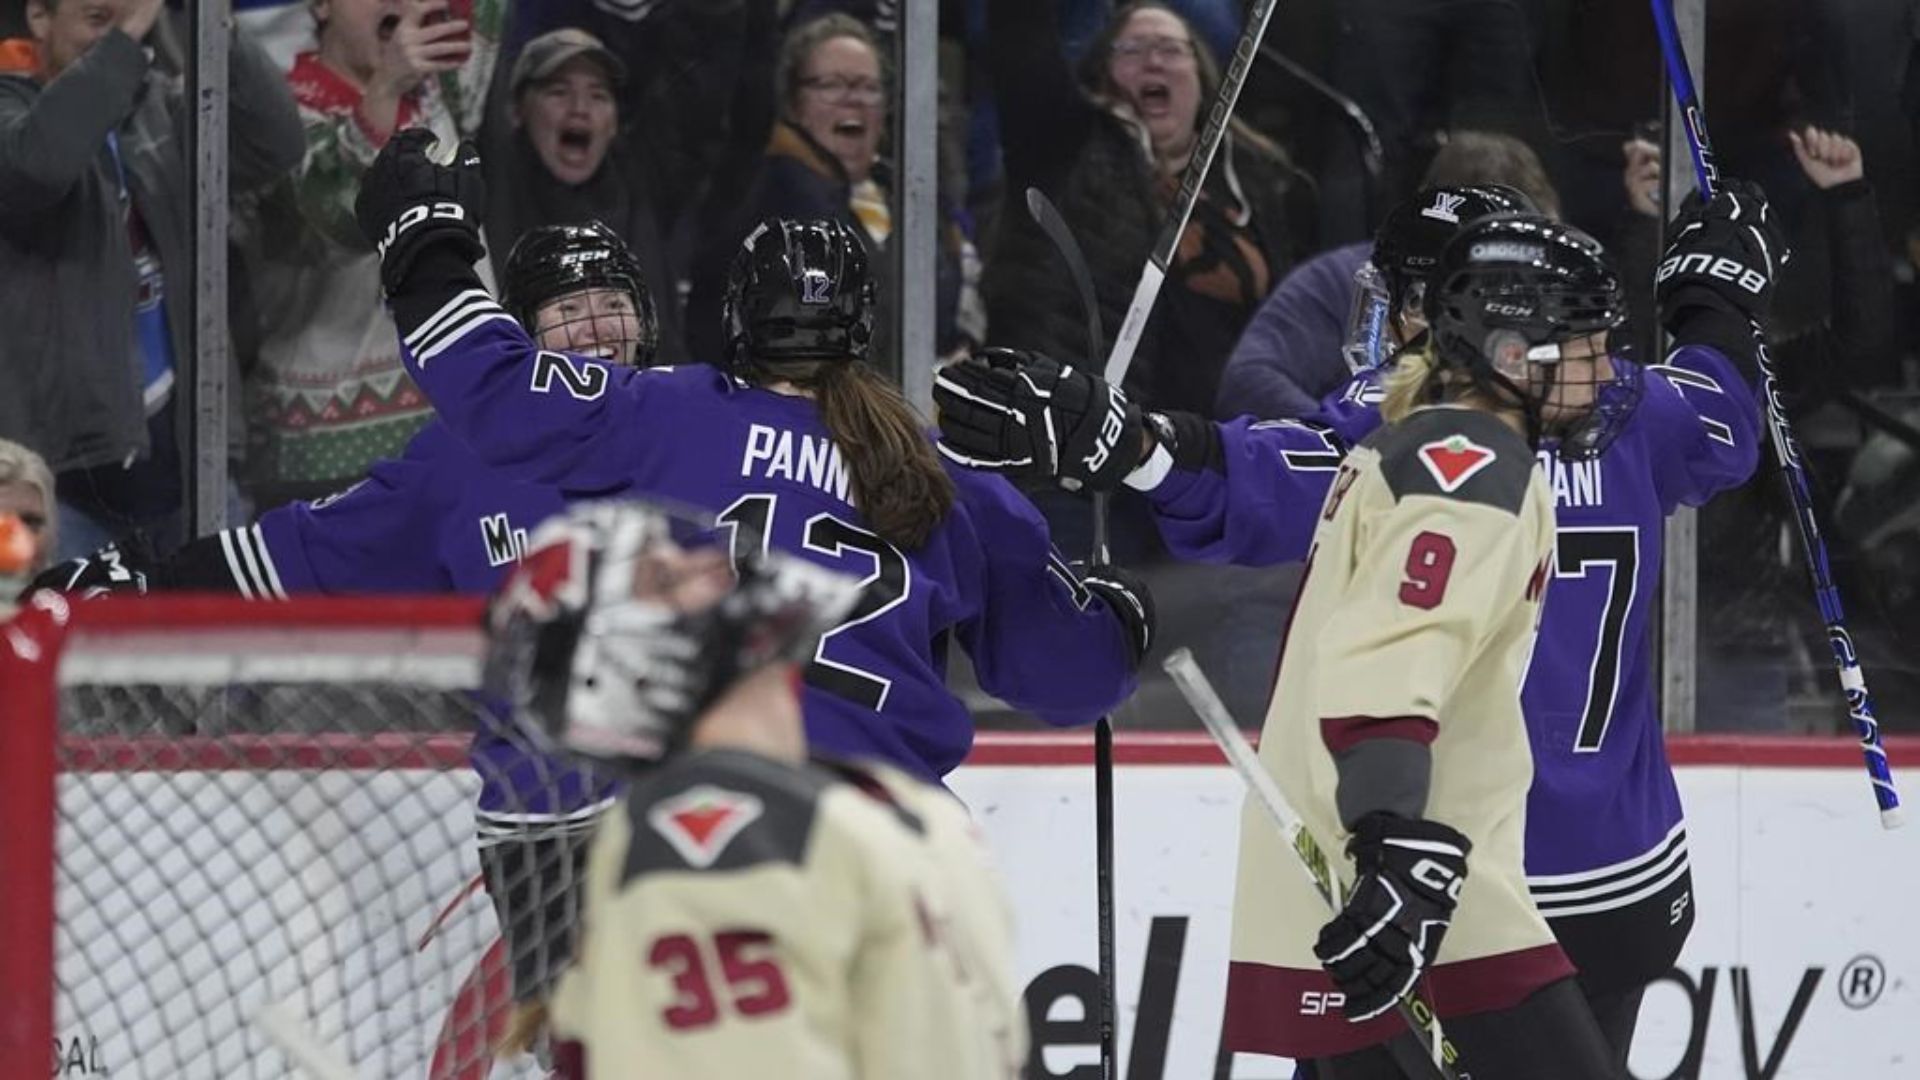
(1454, 460)
(701, 821)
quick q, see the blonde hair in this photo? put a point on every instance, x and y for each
(1410, 383)
(21, 465)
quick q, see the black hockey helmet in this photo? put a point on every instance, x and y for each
(625, 620)
(799, 289)
(1410, 240)
(551, 261)
(1527, 277)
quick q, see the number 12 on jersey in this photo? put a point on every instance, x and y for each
(889, 577)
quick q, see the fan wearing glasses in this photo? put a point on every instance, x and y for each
(824, 161)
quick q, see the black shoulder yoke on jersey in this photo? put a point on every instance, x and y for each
(1455, 453)
(721, 810)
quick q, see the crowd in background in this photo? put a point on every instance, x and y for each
(679, 123)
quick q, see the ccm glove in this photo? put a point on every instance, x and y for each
(121, 569)
(1725, 255)
(1411, 871)
(409, 202)
(1027, 415)
(1127, 597)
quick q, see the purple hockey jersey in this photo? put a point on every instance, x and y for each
(434, 520)
(1604, 823)
(762, 462)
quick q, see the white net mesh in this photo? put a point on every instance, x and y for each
(266, 838)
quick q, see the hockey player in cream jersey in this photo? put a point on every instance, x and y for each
(747, 913)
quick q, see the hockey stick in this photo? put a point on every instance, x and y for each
(1047, 216)
(1168, 242)
(1437, 1053)
(1786, 449)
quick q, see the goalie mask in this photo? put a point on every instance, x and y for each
(580, 289)
(1523, 305)
(625, 622)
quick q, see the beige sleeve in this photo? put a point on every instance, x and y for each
(1432, 578)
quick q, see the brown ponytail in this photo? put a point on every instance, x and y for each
(897, 480)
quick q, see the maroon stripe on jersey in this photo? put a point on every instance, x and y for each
(1342, 733)
(1289, 1012)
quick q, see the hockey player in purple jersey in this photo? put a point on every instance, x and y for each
(1606, 844)
(438, 520)
(795, 443)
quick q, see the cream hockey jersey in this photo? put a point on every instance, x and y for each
(746, 917)
(1415, 621)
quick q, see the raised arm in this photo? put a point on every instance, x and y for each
(539, 416)
(1246, 492)
(1044, 118)
(49, 140)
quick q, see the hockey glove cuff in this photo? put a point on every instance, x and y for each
(1389, 932)
(1127, 596)
(409, 203)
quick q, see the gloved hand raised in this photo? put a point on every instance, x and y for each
(409, 202)
(1027, 415)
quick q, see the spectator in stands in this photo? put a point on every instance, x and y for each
(328, 396)
(1289, 355)
(95, 194)
(568, 163)
(26, 495)
(823, 161)
(1109, 146)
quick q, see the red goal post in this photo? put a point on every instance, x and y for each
(227, 827)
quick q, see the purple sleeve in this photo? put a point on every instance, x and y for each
(1257, 505)
(1289, 353)
(1702, 420)
(536, 415)
(1041, 642)
(378, 536)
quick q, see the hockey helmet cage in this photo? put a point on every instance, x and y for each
(799, 289)
(625, 621)
(1546, 283)
(551, 261)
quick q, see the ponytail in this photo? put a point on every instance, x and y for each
(1410, 383)
(898, 483)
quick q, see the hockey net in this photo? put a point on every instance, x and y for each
(237, 841)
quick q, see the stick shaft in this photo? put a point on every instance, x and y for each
(1437, 1053)
(1786, 450)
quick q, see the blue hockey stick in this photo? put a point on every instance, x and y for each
(1787, 451)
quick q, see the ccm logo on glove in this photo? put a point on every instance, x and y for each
(1438, 878)
(1714, 266)
(414, 215)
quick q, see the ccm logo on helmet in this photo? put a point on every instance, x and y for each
(1713, 266)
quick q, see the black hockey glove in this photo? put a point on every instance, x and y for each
(117, 569)
(1027, 415)
(1724, 259)
(1126, 595)
(409, 202)
(1411, 871)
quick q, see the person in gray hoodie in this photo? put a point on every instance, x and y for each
(95, 263)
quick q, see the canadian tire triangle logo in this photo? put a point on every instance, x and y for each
(701, 821)
(1454, 461)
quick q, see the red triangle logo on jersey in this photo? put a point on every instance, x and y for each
(701, 821)
(1454, 460)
